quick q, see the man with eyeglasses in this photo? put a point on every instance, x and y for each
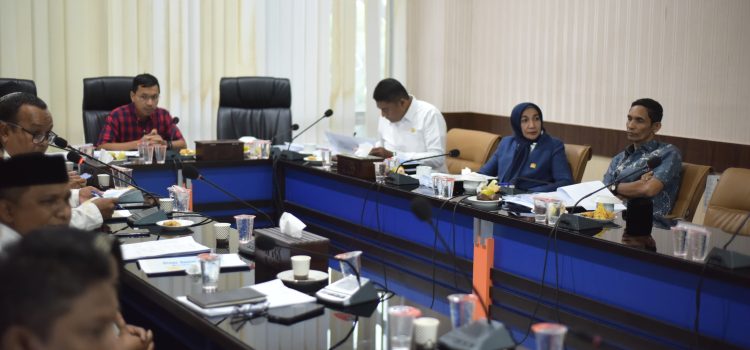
(26, 127)
(141, 120)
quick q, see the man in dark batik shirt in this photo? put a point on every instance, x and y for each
(661, 184)
(140, 121)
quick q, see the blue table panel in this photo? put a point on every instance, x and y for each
(655, 291)
(382, 212)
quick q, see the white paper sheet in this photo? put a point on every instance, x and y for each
(278, 295)
(162, 248)
(121, 213)
(185, 263)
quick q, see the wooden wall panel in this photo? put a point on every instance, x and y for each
(608, 142)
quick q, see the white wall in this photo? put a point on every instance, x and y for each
(585, 61)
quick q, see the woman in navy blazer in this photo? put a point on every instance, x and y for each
(530, 159)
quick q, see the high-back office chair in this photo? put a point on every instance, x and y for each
(25, 85)
(730, 202)
(476, 148)
(100, 96)
(578, 156)
(255, 106)
(692, 184)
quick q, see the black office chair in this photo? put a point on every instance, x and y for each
(100, 96)
(255, 106)
(24, 85)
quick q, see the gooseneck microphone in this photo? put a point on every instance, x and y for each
(172, 131)
(491, 335)
(326, 114)
(295, 127)
(651, 163)
(192, 173)
(396, 179)
(452, 153)
(76, 158)
(61, 143)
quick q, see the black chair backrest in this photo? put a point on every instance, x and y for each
(100, 96)
(25, 85)
(255, 106)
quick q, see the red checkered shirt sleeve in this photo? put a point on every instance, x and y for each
(111, 129)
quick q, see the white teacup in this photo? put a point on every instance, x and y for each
(300, 266)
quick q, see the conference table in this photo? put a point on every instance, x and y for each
(610, 290)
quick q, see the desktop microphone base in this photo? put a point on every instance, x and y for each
(402, 180)
(347, 292)
(293, 156)
(478, 335)
(728, 259)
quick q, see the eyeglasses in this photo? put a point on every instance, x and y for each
(36, 138)
(146, 98)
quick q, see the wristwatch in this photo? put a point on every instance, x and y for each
(613, 188)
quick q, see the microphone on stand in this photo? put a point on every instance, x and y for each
(291, 155)
(651, 163)
(61, 143)
(295, 127)
(192, 173)
(76, 158)
(475, 335)
(396, 179)
(172, 130)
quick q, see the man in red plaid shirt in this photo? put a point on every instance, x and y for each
(141, 120)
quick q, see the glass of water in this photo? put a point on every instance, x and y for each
(210, 266)
(401, 326)
(554, 210)
(679, 241)
(540, 210)
(447, 183)
(436, 186)
(381, 171)
(697, 241)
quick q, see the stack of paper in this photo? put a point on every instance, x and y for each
(162, 248)
(185, 263)
(277, 295)
(125, 195)
(569, 195)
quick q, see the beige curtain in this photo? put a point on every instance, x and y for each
(189, 45)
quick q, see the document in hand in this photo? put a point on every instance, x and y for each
(125, 195)
(343, 144)
(162, 248)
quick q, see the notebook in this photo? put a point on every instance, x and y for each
(227, 298)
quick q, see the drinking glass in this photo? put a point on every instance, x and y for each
(245, 227)
(540, 210)
(697, 241)
(679, 240)
(554, 210)
(148, 155)
(210, 267)
(549, 336)
(462, 308)
(381, 172)
(160, 153)
(401, 326)
(447, 184)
